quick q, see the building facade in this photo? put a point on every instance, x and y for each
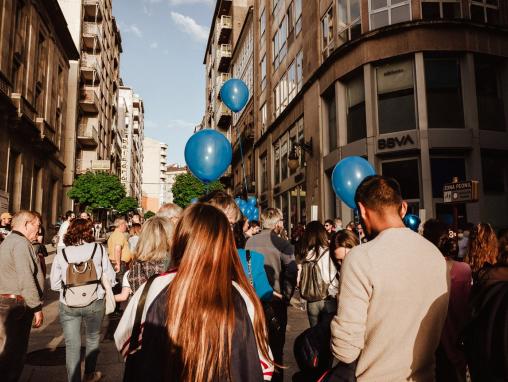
(131, 130)
(172, 171)
(154, 174)
(36, 48)
(417, 87)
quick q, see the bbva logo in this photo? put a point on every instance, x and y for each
(391, 143)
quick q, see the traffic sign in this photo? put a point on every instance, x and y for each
(461, 192)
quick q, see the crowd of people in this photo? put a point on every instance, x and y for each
(206, 293)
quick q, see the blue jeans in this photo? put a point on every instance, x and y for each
(318, 310)
(71, 318)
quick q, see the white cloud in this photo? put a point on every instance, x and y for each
(133, 28)
(190, 26)
(185, 2)
(154, 45)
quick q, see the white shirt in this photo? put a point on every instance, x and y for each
(78, 254)
(61, 233)
(327, 268)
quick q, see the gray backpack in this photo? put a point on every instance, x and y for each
(312, 286)
(82, 282)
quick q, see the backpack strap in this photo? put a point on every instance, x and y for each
(136, 328)
(65, 256)
(249, 266)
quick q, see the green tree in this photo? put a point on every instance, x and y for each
(188, 187)
(97, 190)
(127, 205)
(149, 214)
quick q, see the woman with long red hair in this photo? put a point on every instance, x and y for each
(203, 321)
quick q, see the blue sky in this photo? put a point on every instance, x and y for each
(164, 43)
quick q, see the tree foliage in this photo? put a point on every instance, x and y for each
(127, 205)
(149, 214)
(97, 190)
(188, 187)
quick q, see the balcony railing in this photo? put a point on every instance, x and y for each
(223, 115)
(90, 67)
(87, 135)
(225, 26)
(92, 9)
(220, 80)
(47, 132)
(89, 100)
(25, 109)
(224, 53)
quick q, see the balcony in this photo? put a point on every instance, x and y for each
(135, 128)
(225, 26)
(87, 135)
(90, 67)
(48, 133)
(224, 53)
(5, 86)
(92, 10)
(91, 35)
(24, 108)
(224, 7)
(223, 116)
(220, 80)
(89, 101)
(135, 114)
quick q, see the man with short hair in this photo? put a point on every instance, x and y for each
(118, 247)
(329, 227)
(69, 216)
(170, 211)
(280, 266)
(21, 292)
(394, 293)
(85, 215)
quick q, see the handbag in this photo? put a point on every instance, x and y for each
(109, 297)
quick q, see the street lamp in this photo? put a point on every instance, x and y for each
(296, 152)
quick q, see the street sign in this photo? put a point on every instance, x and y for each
(461, 192)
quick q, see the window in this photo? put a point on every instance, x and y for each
(284, 159)
(349, 26)
(485, 11)
(292, 81)
(388, 12)
(327, 33)
(356, 120)
(299, 71)
(407, 173)
(331, 118)
(264, 175)
(42, 67)
(443, 170)
(263, 72)
(264, 117)
(279, 43)
(396, 98)
(298, 16)
(441, 9)
(275, 6)
(262, 23)
(276, 95)
(277, 164)
(494, 171)
(444, 93)
(489, 92)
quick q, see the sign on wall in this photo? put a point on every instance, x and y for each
(461, 192)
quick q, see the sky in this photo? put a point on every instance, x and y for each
(164, 43)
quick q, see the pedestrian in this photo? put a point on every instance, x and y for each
(85, 215)
(338, 224)
(21, 293)
(136, 219)
(81, 256)
(40, 248)
(393, 293)
(253, 262)
(329, 227)
(69, 216)
(134, 236)
(450, 356)
(281, 269)
(118, 247)
(203, 321)
(483, 250)
(5, 225)
(341, 244)
(318, 275)
(153, 251)
(170, 211)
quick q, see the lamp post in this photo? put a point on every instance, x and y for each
(296, 153)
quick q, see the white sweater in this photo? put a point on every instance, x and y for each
(327, 268)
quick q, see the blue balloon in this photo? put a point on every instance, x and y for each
(252, 201)
(244, 208)
(235, 94)
(208, 154)
(194, 200)
(242, 204)
(238, 201)
(412, 221)
(347, 176)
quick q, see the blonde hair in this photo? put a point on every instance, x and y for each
(170, 210)
(270, 217)
(155, 240)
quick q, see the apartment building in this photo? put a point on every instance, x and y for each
(36, 48)
(154, 174)
(131, 127)
(172, 171)
(418, 87)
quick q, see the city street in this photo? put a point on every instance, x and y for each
(46, 351)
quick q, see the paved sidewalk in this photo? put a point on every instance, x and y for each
(46, 350)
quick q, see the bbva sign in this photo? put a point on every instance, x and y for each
(391, 143)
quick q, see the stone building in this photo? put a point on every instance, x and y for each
(154, 174)
(172, 171)
(36, 48)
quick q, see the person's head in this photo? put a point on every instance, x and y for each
(224, 202)
(84, 215)
(342, 242)
(240, 232)
(170, 211)
(351, 226)
(136, 219)
(69, 215)
(379, 201)
(271, 218)
(155, 240)
(329, 225)
(338, 224)
(27, 223)
(121, 225)
(433, 229)
(483, 247)
(80, 231)
(5, 219)
(502, 257)
(201, 314)
(449, 243)
(314, 237)
(135, 229)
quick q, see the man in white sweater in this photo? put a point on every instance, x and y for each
(393, 293)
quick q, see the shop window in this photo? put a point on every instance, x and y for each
(388, 12)
(444, 93)
(356, 120)
(331, 118)
(443, 170)
(407, 173)
(489, 92)
(396, 98)
(494, 172)
(485, 11)
(441, 9)
(349, 26)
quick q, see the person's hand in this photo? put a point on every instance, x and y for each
(38, 319)
(117, 268)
